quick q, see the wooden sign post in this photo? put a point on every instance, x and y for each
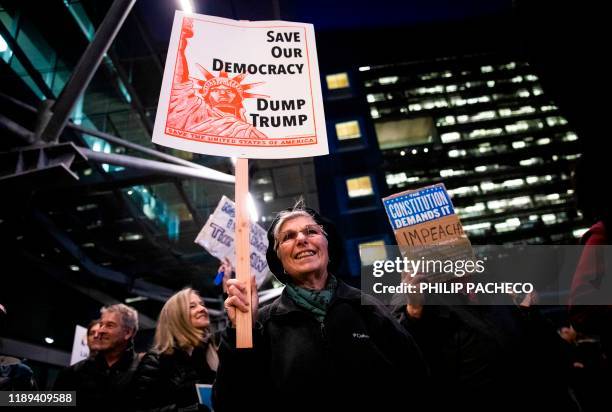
(243, 89)
(244, 321)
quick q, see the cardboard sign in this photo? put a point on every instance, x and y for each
(243, 89)
(218, 238)
(425, 223)
(423, 217)
(80, 350)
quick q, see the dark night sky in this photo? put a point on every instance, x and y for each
(566, 42)
(329, 15)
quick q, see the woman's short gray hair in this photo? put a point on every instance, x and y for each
(128, 315)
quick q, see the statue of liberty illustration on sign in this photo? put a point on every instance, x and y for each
(209, 105)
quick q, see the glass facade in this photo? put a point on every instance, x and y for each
(482, 125)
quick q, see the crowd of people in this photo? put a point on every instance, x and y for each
(317, 347)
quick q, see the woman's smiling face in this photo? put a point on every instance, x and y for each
(302, 247)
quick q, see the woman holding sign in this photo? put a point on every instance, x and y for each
(316, 347)
(182, 356)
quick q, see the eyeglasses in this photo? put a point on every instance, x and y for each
(307, 231)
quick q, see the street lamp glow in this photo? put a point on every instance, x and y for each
(186, 5)
(252, 208)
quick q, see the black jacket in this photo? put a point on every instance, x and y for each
(166, 382)
(100, 387)
(484, 358)
(358, 357)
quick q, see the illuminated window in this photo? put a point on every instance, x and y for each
(530, 162)
(388, 80)
(525, 93)
(524, 125)
(337, 81)
(555, 121)
(375, 97)
(505, 112)
(480, 133)
(430, 104)
(487, 186)
(399, 179)
(429, 76)
(579, 232)
(477, 228)
(430, 90)
(470, 211)
(486, 115)
(513, 183)
(509, 225)
(371, 251)
(359, 186)
(497, 204)
(479, 99)
(446, 121)
(451, 172)
(458, 101)
(463, 191)
(415, 107)
(570, 137)
(405, 132)
(450, 137)
(543, 141)
(348, 130)
(519, 201)
(456, 153)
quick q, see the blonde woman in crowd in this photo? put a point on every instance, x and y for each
(183, 355)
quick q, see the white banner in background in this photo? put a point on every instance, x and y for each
(217, 237)
(80, 350)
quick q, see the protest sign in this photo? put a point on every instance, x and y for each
(426, 225)
(218, 238)
(80, 350)
(246, 90)
(242, 89)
